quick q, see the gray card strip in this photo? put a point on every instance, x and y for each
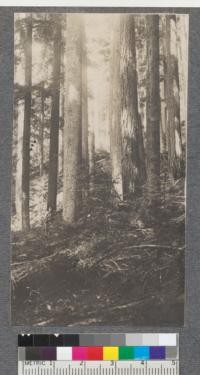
(149, 339)
(102, 340)
(118, 340)
(87, 340)
(134, 339)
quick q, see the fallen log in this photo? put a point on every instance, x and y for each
(22, 270)
(67, 258)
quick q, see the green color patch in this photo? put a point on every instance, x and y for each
(126, 352)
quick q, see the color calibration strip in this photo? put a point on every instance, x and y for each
(119, 339)
(94, 353)
(98, 354)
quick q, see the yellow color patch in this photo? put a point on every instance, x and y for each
(110, 353)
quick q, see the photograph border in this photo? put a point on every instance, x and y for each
(190, 333)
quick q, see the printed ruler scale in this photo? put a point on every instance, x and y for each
(102, 354)
(107, 368)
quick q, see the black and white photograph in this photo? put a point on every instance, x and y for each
(98, 169)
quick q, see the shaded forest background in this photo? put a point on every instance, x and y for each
(99, 149)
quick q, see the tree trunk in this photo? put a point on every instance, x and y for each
(91, 153)
(175, 151)
(62, 98)
(153, 110)
(54, 129)
(62, 109)
(141, 151)
(19, 162)
(133, 161)
(85, 155)
(27, 125)
(41, 135)
(182, 47)
(163, 111)
(73, 120)
(163, 139)
(115, 116)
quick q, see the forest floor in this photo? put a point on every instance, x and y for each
(113, 267)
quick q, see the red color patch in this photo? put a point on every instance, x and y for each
(95, 353)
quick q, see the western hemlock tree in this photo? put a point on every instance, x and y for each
(41, 130)
(55, 111)
(174, 139)
(91, 155)
(115, 114)
(19, 160)
(73, 119)
(153, 109)
(27, 124)
(84, 115)
(133, 158)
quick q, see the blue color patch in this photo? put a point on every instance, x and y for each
(141, 352)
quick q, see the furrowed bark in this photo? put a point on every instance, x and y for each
(153, 110)
(27, 125)
(55, 113)
(73, 121)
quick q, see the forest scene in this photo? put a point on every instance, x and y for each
(98, 172)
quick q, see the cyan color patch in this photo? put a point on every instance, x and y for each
(141, 352)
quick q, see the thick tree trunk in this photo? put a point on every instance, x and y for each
(163, 138)
(163, 111)
(73, 120)
(62, 110)
(110, 108)
(27, 125)
(62, 98)
(142, 156)
(41, 134)
(153, 109)
(84, 119)
(133, 161)
(175, 151)
(115, 116)
(54, 129)
(182, 47)
(19, 162)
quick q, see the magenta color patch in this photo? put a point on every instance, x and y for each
(79, 353)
